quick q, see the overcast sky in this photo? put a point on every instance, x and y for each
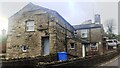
(75, 12)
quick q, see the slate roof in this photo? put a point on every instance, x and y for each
(69, 26)
(87, 26)
(31, 8)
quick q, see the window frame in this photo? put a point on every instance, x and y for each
(85, 31)
(26, 26)
(71, 46)
(94, 46)
(24, 48)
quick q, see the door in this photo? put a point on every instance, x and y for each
(83, 50)
(46, 48)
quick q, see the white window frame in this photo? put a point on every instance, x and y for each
(95, 46)
(30, 25)
(85, 31)
(71, 46)
(24, 49)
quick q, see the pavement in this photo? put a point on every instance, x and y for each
(113, 63)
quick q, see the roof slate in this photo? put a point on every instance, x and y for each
(32, 8)
(87, 26)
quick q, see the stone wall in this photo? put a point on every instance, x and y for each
(17, 36)
(46, 25)
(65, 37)
(77, 51)
(95, 35)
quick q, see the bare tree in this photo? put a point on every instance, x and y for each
(110, 27)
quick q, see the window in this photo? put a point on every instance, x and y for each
(110, 41)
(72, 46)
(30, 26)
(84, 33)
(94, 46)
(115, 41)
(75, 32)
(24, 48)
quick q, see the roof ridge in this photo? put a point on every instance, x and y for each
(29, 7)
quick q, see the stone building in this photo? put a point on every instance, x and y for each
(92, 36)
(38, 31)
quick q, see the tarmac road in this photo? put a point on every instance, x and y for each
(114, 63)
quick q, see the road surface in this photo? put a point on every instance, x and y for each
(113, 63)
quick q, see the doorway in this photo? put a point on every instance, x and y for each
(46, 47)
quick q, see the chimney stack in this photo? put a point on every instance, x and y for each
(97, 19)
